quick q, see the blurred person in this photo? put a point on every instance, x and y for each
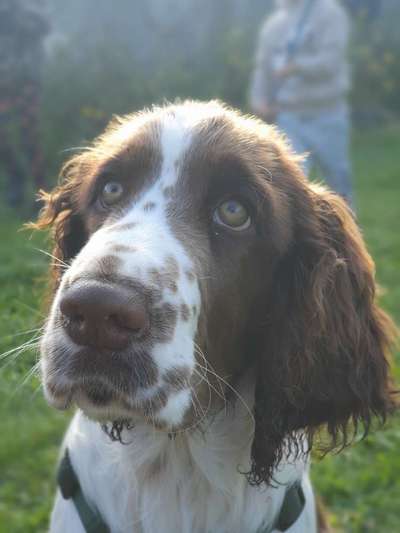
(301, 81)
(23, 26)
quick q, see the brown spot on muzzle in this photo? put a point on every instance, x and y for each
(172, 286)
(108, 265)
(146, 371)
(172, 267)
(167, 277)
(122, 248)
(156, 277)
(185, 312)
(154, 404)
(122, 227)
(178, 378)
(149, 206)
(163, 322)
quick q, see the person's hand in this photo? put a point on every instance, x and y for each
(286, 71)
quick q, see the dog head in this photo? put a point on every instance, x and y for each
(190, 248)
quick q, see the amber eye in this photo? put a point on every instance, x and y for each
(233, 215)
(111, 193)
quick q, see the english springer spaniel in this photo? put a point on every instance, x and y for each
(212, 311)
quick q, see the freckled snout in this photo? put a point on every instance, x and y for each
(103, 316)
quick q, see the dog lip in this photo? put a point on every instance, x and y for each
(58, 397)
(123, 371)
(87, 392)
(105, 411)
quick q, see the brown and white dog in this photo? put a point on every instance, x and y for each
(212, 311)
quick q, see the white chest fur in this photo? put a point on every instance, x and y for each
(189, 484)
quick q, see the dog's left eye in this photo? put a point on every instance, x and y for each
(233, 215)
(111, 193)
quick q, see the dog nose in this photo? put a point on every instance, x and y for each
(103, 316)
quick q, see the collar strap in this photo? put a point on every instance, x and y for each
(71, 490)
(292, 507)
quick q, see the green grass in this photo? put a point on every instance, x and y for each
(30, 432)
(361, 486)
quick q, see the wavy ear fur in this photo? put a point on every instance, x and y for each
(325, 354)
(60, 213)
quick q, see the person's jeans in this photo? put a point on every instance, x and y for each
(325, 137)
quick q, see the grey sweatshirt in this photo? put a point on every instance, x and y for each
(322, 73)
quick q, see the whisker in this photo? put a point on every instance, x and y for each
(207, 364)
(30, 308)
(204, 378)
(27, 377)
(227, 384)
(73, 149)
(20, 334)
(57, 259)
(197, 422)
(16, 353)
(221, 394)
(37, 390)
(21, 348)
(11, 355)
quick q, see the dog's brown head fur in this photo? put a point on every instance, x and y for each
(290, 295)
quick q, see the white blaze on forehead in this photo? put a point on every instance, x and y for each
(177, 129)
(175, 139)
(148, 233)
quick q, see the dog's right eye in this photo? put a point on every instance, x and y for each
(232, 214)
(111, 193)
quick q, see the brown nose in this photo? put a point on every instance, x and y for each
(103, 316)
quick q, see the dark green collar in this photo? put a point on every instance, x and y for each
(292, 507)
(70, 488)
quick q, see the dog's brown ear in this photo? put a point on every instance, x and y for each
(60, 214)
(325, 355)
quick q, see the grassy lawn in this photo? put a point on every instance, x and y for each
(361, 487)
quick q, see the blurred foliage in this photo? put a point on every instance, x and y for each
(92, 74)
(375, 56)
(81, 94)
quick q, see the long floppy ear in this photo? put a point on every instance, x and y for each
(325, 357)
(60, 213)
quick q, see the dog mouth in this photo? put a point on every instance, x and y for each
(102, 401)
(121, 391)
(92, 395)
(86, 376)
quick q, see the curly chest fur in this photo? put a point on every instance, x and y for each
(187, 484)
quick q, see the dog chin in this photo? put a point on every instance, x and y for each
(112, 410)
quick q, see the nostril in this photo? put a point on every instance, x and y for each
(70, 309)
(133, 319)
(77, 318)
(77, 321)
(115, 321)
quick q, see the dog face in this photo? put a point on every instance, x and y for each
(190, 249)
